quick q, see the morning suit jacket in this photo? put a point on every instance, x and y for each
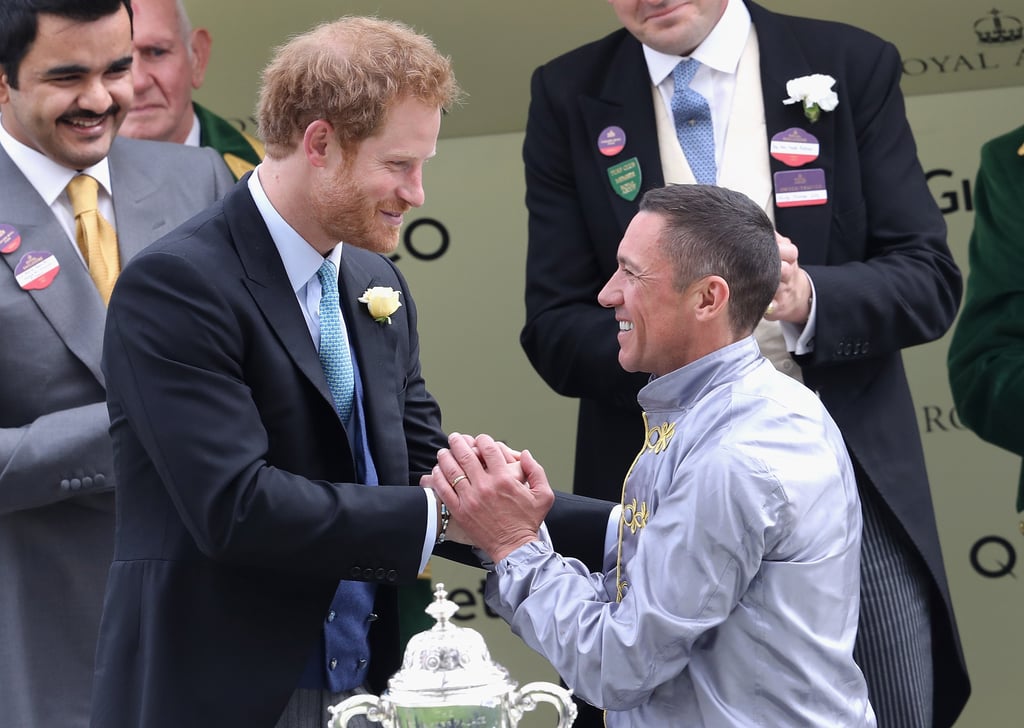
(56, 472)
(242, 509)
(985, 372)
(876, 252)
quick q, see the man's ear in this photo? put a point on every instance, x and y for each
(5, 89)
(200, 43)
(712, 298)
(318, 142)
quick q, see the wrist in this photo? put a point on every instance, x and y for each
(443, 516)
(500, 551)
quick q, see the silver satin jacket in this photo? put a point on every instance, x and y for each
(735, 598)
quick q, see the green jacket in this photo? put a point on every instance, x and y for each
(241, 151)
(986, 355)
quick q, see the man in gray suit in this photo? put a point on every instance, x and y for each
(64, 90)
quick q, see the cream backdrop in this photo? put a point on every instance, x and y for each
(496, 45)
(470, 305)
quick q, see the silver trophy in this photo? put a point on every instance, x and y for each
(448, 680)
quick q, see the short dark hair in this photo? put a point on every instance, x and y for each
(19, 24)
(714, 231)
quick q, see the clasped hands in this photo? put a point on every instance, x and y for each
(497, 496)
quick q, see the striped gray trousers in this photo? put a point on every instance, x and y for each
(894, 639)
(308, 709)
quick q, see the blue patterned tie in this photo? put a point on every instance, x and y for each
(693, 123)
(335, 357)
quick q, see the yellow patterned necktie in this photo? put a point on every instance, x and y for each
(96, 238)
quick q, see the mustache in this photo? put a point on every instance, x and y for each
(86, 115)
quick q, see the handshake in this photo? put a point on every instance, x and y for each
(497, 497)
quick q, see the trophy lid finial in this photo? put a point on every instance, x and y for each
(442, 609)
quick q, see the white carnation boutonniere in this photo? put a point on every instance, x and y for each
(381, 302)
(814, 92)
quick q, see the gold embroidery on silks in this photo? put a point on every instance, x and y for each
(659, 437)
(634, 516)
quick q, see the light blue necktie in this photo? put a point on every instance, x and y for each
(692, 117)
(335, 357)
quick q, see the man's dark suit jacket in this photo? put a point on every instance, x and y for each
(238, 510)
(877, 253)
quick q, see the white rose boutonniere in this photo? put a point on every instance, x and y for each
(814, 92)
(381, 301)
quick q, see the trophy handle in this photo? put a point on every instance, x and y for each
(526, 699)
(368, 705)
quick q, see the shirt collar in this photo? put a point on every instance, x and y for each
(192, 139)
(720, 51)
(301, 260)
(48, 177)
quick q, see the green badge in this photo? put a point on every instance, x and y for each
(625, 178)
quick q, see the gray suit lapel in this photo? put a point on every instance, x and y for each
(141, 217)
(71, 303)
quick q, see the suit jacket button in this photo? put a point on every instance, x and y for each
(65, 484)
(76, 483)
(86, 482)
(367, 574)
(356, 572)
(864, 348)
(333, 663)
(839, 349)
(392, 575)
(331, 615)
(99, 479)
(372, 617)
(378, 574)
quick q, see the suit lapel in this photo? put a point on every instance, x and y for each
(364, 332)
(141, 217)
(268, 283)
(71, 303)
(782, 59)
(627, 104)
(373, 346)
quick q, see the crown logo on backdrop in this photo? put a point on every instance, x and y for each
(998, 28)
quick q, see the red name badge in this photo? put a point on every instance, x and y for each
(794, 147)
(36, 270)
